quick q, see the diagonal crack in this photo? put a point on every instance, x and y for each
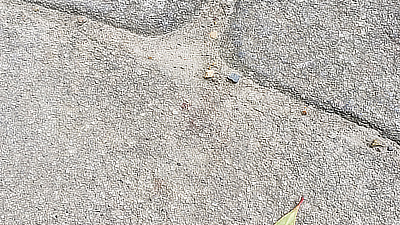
(143, 19)
(96, 13)
(325, 106)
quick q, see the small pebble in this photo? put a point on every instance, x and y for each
(304, 112)
(234, 77)
(214, 34)
(375, 143)
(209, 74)
(390, 148)
(81, 20)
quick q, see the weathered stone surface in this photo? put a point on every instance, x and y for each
(145, 17)
(101, 126)
(341, 56)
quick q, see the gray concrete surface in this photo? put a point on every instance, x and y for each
(102, 125)
(342, 56)
(145, 17)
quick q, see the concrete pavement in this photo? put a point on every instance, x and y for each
(105, 125)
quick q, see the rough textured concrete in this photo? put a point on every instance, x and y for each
(146, 17)
(99, 125)
(340, 56)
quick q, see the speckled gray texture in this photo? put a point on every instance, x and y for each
(342, 56)
(99, 125)
(145, 17)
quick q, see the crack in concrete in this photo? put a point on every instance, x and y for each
(392, 133)
(129, 17)
(325, 106)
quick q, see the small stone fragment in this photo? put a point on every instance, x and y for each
(209, 74)
(214, 34)
(390, 148)
(185, 105)
(234, 77)
(304, 111)
(375, 143)
(81, 20)
(211, 66)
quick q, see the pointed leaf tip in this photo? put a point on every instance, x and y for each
(290, 218)
(301, 201)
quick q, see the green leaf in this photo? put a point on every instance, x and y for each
(290, 218)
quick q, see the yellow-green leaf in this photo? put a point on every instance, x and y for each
(290, 218)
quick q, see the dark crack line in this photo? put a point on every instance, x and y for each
(327, 107)
(324, 106)
(72, 9)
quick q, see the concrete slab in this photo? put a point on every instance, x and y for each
(99, 125)
(340, 56)
(145, 17)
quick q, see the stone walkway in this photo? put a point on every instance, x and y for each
(106, 118)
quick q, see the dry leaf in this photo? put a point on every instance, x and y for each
(290, 218)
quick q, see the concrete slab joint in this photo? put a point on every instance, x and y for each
(199, 112)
